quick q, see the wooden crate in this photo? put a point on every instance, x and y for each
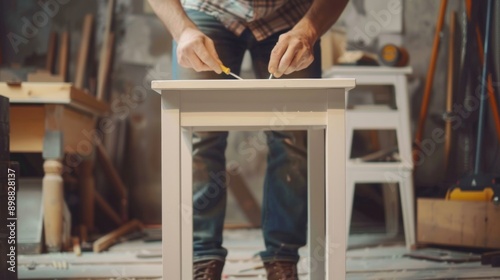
(458, 223)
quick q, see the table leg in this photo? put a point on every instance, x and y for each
(187, 203)
(335, 189)
(52, 185)
(53, 204)
(171, 183)
(316, 203)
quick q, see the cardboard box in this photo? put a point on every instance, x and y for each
(458, 223)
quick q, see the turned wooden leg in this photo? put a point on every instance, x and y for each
(53, 204)
(87, 190)
(52, 184)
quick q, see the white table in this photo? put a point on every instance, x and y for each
(317, 106)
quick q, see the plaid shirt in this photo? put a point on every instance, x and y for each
(262, 17)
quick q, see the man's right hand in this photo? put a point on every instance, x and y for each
(196, 50)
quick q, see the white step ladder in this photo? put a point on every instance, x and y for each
(382, 118)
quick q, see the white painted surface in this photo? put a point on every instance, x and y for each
(266, 104)
(171, 181)
(252, 84)
(366, 118)
(316, 203)
(335, 193)
(186, 203)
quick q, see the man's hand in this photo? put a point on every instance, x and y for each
(195, 50)
(293, 52)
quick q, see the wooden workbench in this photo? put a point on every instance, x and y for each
(56, 119)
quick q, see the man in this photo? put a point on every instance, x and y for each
(283, 39)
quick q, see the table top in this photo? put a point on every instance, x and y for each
(52, 93)
(252, 84)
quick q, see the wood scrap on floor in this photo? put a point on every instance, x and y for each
(76, 246)
(443, 255)
(491, 258)
(109, 239)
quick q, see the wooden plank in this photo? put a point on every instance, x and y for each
(81, 65)
(87, 197)
(42, 93)
(51, 52)
(106, 52)
(44, 77)
(111, 173)
(89, 101)
(460, 223)
(106, 66)
(488, 257)
(109, 239)
(53, 93)
(492, 231)
(245, 198)
(114, 179)
(107, 209)
(83, 233)
(63, 56)
(66, 237)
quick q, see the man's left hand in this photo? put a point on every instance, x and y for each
(293, 52)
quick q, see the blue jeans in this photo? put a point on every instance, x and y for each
(284, 213)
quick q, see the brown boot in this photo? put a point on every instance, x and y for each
(281, 270)
(208, 270)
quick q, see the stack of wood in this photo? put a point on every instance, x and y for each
(56, 70)
(60, 53)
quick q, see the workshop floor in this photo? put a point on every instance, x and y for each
(142, 260)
